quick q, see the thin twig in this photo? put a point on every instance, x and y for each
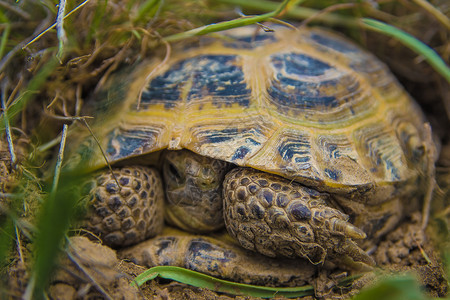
(103, 152)
(55, 98)
(63, 118)
(19, 245)
(422, 251)
(83, 231)
(14, 92)
(431, 157)
(21, 96)
(54, 24)
(56, 140)
(60, 32)
(59, 159)
(7, 127)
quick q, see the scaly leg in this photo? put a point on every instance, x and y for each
(271, 215)
(127, 214)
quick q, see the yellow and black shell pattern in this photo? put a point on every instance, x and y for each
(305, 104)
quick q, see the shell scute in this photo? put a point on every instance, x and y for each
(382, 151)
(296, 150)
(289, 154)
(295, 83)
(123, 143)
(165, 87)
(219, 78)
(306, 89)
(305, 104)
(341, 164)
(232, 144)
(333, 174)
(363, 62)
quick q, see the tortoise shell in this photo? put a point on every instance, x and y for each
(305, 104)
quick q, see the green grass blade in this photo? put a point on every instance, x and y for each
(6, 238)
(6, 247)
(295, 12)
(147, 10)
(248, 20)
(53, 223)
(4, 39)
(411, 42)
(399, 287)
(219, 285)
(99, 14)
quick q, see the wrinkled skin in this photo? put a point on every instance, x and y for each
(193, 191)
(263, 212)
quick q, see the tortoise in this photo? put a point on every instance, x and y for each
(299, 141)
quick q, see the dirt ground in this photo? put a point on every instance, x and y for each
(92, 271)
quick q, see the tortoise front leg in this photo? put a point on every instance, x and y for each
(274, 216)
(128, 214)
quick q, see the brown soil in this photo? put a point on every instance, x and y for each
(92, 271)
(408, 249)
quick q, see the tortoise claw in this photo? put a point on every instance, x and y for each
(351, 250)
(347, 229)
(335, 233)
(336, 222)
